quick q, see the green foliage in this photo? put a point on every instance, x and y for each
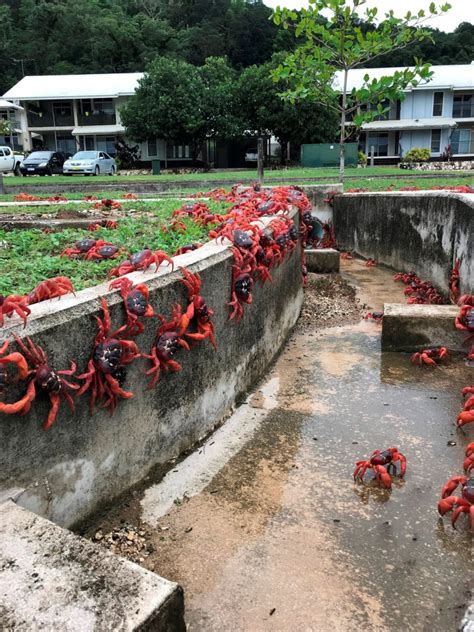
(317, 71)
(417, 154)
(263, 112)
(361, 158)
(183, 103)
(5, 127)
(29, 256)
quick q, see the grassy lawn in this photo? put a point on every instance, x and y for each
(242, 175)
(29, 256)
(365, 181)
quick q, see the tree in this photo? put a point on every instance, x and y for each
(342, 42)
(182, 103)
(264, 113)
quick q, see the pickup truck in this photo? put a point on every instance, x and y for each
(10, 161)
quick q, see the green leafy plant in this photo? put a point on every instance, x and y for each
(361, 158)
(417, 154)
(338, 38)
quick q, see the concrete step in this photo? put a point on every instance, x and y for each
(54, 580)
(322, 260)
(415, 327)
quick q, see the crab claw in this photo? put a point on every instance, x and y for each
(383, 476)
(451, 485)
(465, 417)
(448, 503)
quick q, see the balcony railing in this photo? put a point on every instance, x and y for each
(101, 118)
(48, 119)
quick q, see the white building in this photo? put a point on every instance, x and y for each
(71, 112)
(433, 115)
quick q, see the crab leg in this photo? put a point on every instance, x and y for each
(382, 475)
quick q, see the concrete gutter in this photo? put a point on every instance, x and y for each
(53, 580)
(425, 231)
(84, 462)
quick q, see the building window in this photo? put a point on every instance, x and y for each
(152, 148)
(435, 140)
(438, 103)
(380, 144)
(461, 141)
(107, 144)
(463, 106)
(178, 152)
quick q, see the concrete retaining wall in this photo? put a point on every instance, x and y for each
(84, 461)
(423, 231)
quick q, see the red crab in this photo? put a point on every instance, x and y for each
(184, 249)
(465, 321)
(21, 367)
(25, 197)
(104, 250)
(198, 309)
(466, 416)
(371, 263)
(48, 380)
(50, 288)
(135, 300)
(469, 460)
(14, 304)
(347, 254)
(430, 356)
(81, 247)
(377, 316)
(242, 286)
(454, 281)
(107, 205)
(106, 371)
(168, 340)
(130, 196)
(381, 463)
(141, 261)
(458, 504)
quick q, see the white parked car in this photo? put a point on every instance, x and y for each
(10, 161)
(90, 163)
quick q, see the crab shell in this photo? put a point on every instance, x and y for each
(107, 355)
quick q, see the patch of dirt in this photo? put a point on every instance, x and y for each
(329, 301)
(129, 541)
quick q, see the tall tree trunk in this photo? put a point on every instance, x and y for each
(343, 131)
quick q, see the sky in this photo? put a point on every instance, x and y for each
(461, 11)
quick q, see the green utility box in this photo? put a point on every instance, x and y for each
(326, 155)
(155, 167)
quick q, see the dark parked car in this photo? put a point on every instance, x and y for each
(43, 163)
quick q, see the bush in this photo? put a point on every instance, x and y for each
(417, 154)
(361, 158)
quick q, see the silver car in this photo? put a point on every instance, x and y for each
(90, 163)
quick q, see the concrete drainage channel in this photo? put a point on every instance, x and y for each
(261, 499)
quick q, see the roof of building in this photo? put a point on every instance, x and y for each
(42, 87)
(455, 77)
(6, 105)
(436, 122)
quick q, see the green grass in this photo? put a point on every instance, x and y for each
(237, 176)
(29, 256)
(129, 207)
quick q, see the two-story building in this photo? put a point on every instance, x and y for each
(71, 112)
(433, 115)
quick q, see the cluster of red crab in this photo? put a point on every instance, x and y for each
(257, 245)
(419, 291)
(112, 351)
(465, 502)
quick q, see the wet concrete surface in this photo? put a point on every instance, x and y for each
(282, 538)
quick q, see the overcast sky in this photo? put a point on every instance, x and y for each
(462, 10)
